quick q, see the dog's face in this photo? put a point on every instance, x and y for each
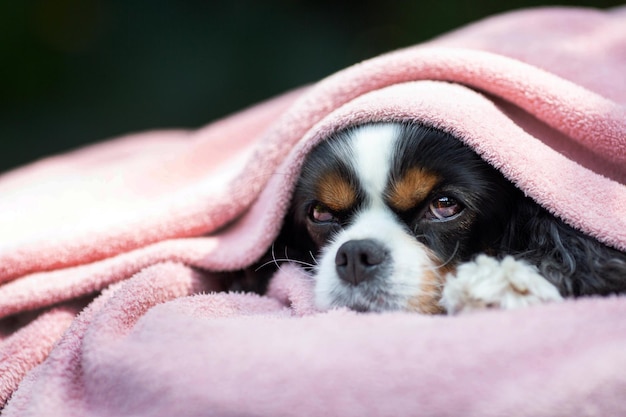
(387, 210)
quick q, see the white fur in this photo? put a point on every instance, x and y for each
(371, 153)
(373, 147)
(490, 283)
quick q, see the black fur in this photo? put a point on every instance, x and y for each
(501, 221)
(576, 264)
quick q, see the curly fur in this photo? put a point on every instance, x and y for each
(575, 263)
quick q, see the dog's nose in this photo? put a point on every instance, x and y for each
(360, 260)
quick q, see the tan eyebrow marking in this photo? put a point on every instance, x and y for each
(411, 189)
(335, 192)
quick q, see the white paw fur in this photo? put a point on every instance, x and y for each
(487, 282)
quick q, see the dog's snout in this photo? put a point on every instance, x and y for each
(360, 260)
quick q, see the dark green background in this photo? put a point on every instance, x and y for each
(78, 71)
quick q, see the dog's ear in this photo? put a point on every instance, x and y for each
(575, 263)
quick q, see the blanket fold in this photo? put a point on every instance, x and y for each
(140, 229)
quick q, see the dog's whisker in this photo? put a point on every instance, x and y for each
(295, 261)
(274, 257)
(450, 258)
(306, 264)
(278, 261)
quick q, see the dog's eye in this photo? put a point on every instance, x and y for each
(443, 208)
(319, 213)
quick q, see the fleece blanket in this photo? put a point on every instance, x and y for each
(112, 257)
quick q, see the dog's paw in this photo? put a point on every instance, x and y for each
(490, 283)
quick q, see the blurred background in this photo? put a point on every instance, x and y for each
(78, 71)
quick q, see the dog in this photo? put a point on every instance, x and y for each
(401, 216)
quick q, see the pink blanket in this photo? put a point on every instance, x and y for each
(110, 256)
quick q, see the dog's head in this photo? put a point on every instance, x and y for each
(386, 210)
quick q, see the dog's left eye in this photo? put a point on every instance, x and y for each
(319, 213)
(443, 208)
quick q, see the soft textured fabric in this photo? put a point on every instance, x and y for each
(133, 233)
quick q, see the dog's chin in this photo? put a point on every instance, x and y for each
(365, 297)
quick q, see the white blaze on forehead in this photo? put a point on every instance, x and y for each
(373, 148)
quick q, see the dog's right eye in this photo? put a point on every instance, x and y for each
(319, 213)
